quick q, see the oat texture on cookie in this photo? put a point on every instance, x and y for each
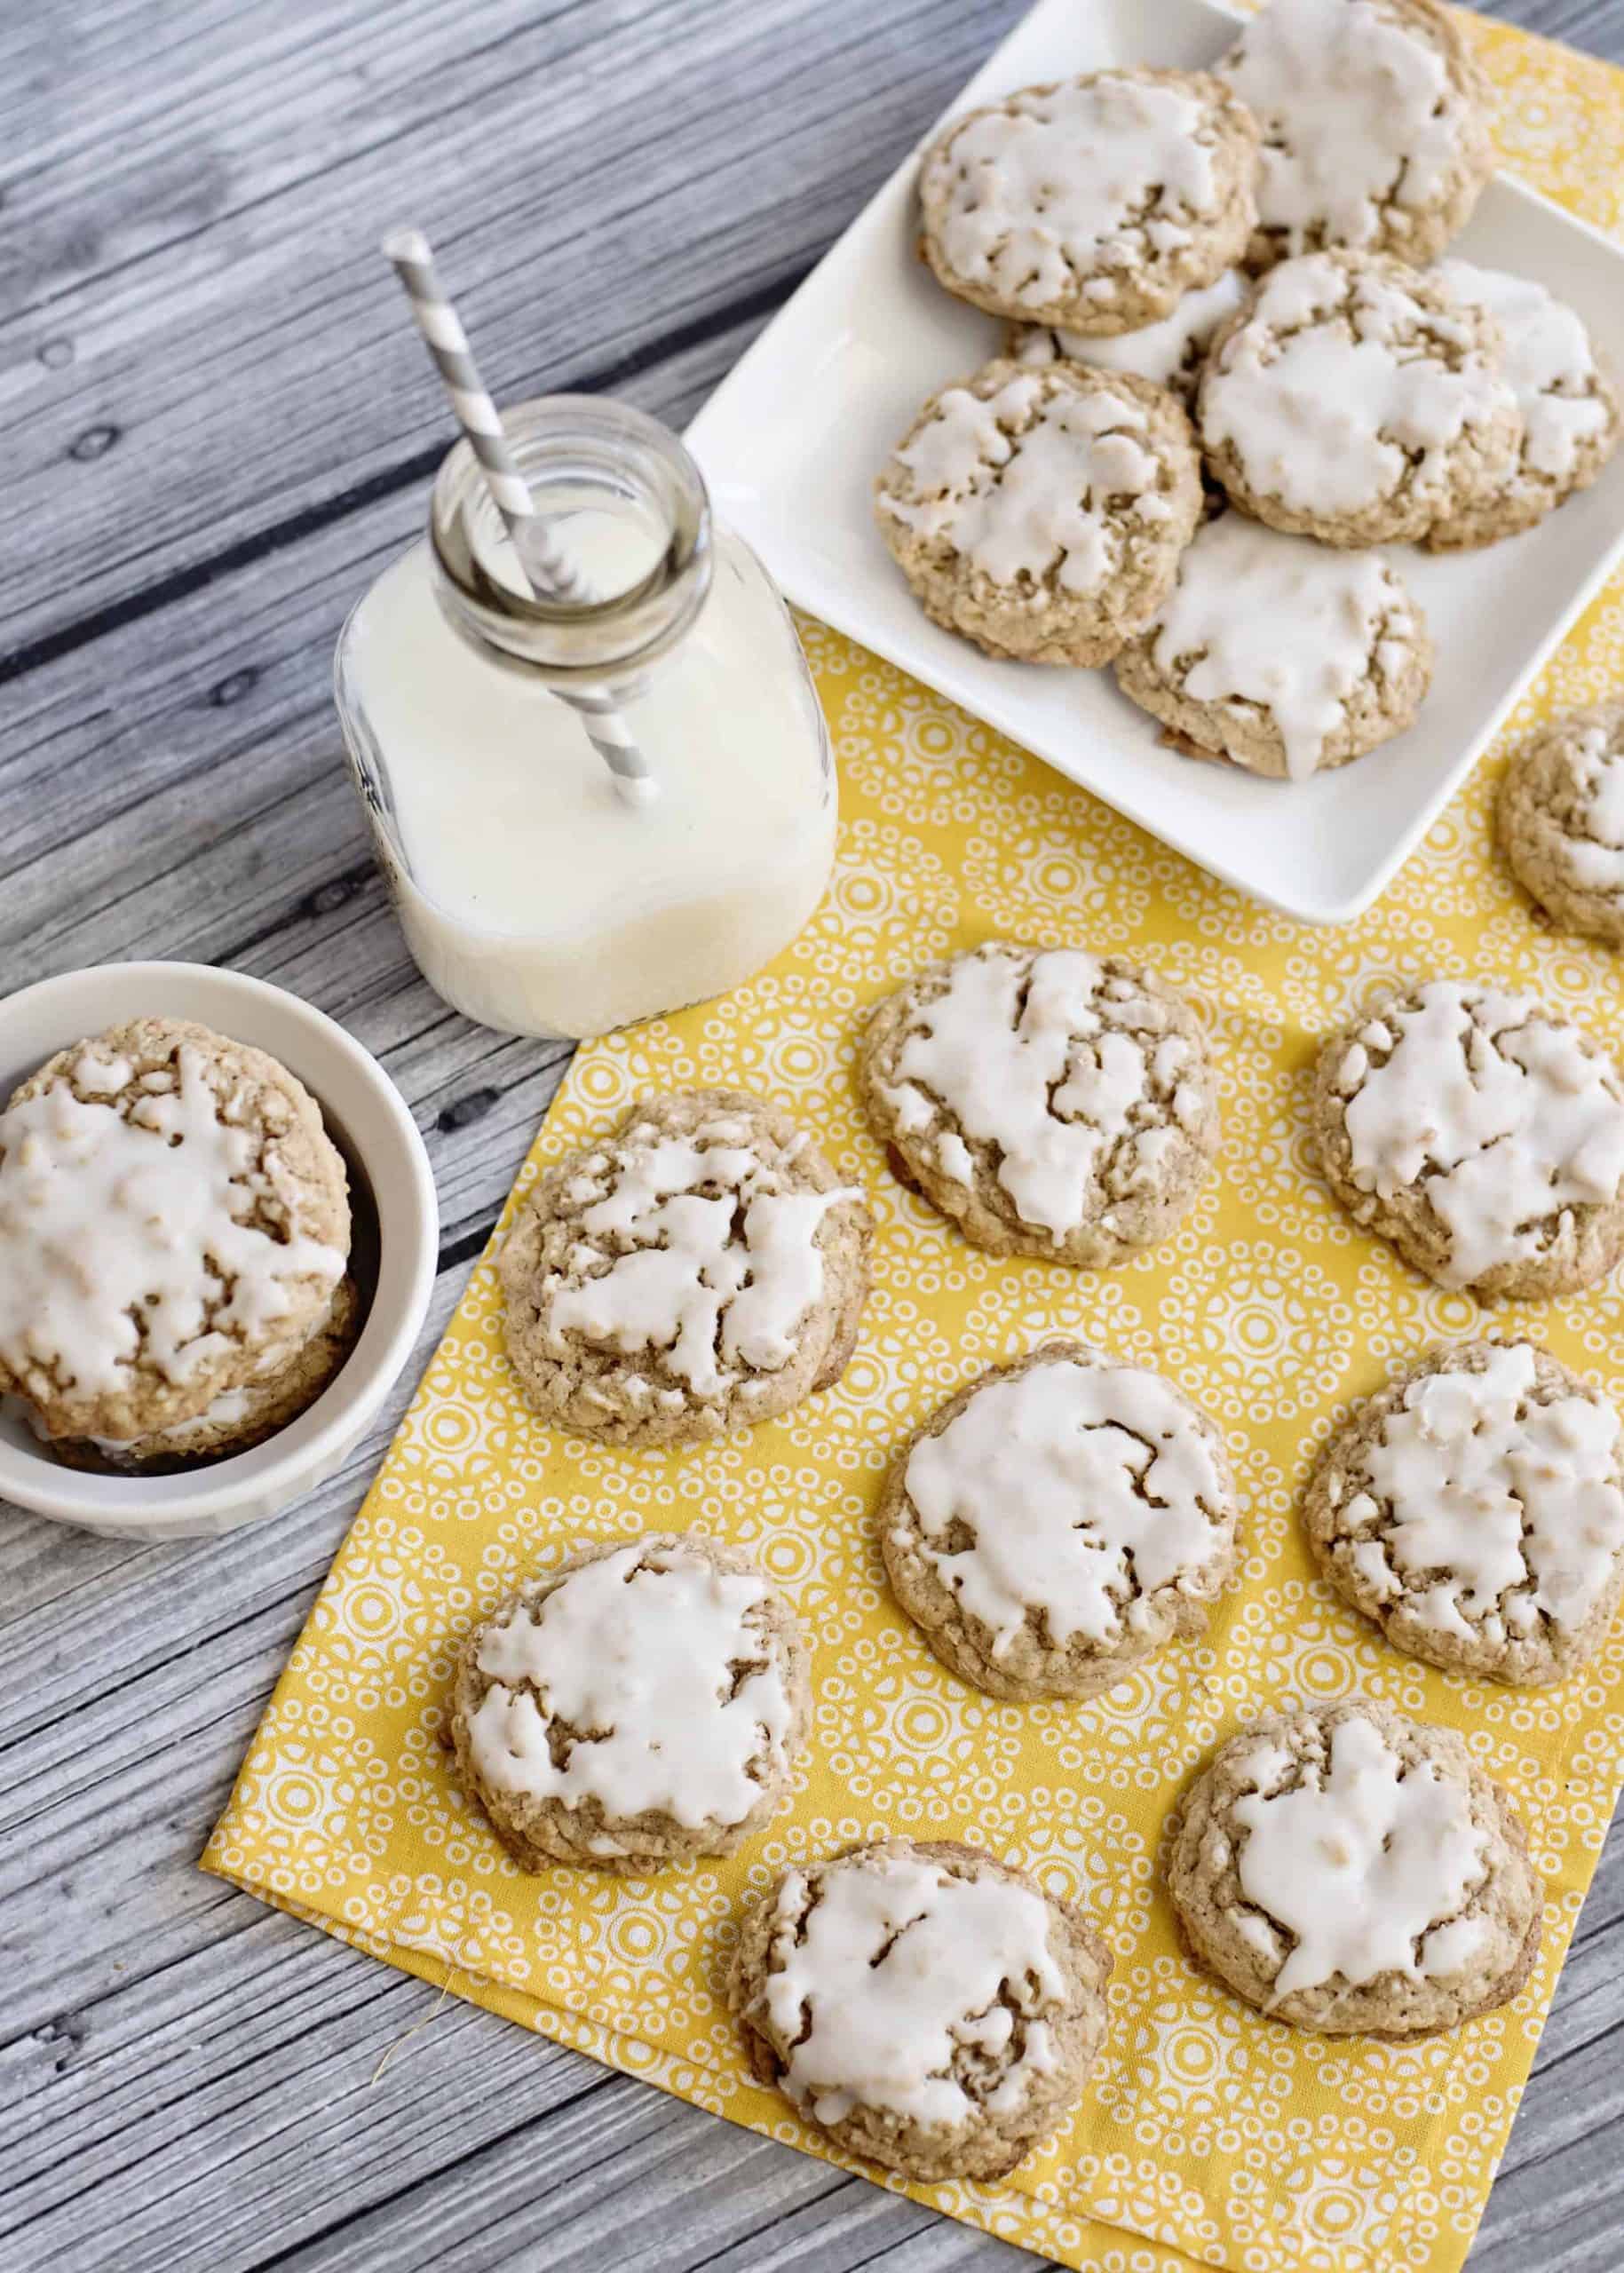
(1475, 1510)
(1058, 1521)
(1570, 406)
(927, 2005)
(1096, 203)
(1041, 512)
(1358, 401)
(1281, 655)
(172, 1213)
(1374, 123)
(1171, 353)
(1051, 1102)
(1560, 817)
(1350, 1872)
(1481, 1133)
(640, 1705)
(699, 1270)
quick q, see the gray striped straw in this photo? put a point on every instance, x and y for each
(542, 561)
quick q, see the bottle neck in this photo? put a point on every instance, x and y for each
(623, 502)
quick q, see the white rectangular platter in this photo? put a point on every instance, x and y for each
(792, 440)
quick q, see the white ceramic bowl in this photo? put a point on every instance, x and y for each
(390, 1181)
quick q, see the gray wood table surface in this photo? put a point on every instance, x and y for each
(216, 428)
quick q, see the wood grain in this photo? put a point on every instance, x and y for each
(215, 428)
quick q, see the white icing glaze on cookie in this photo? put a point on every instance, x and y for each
(1355, 115)
(1086, 1487)
(1548, 363)
(1596, 860)
(1032, 502)
(1062, 182)
(713, 1259)
(1160, 352)
(1503, 1112)
(643, 1661)
(106, 1218)
(1508, 1507)
(1323, 417)
(1365, 1866)
(1006, 1074)
(900, 1966)
(1280, 621)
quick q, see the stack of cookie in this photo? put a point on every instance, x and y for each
(1225, 274)
(174, 1248)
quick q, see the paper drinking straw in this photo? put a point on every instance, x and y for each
(542, 561)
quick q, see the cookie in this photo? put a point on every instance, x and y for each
(640, 1705)
(172, 1212)
(699, 1270)
(1040, 513)
(1350, 1872)
(1358, 401)
(1375, 126)
(1058, 1521)
(1474, 1511)
(1052, 1103)
(1095, 203)
(1481, 1133)
(1170, 352)
(1560, 816)
(284, 1386)
(1279, 656)
(929, 2007)
(1570, 406)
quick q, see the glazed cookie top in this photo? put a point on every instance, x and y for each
(1033, 477)
(1570, 407)
(1049, 1067)
(1070, 1494)
(1500, 1114)
(1372, 122)
(1366, 1852)
(1562, 817)
(1170, 352)
(1287, 627)
(1073, 202)
(171, 1210)
(896, 1980)
(1359, 397)
(641, 1679)
(674, 1265)
(1481, 1500)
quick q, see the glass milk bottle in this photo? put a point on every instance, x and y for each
(534, 896)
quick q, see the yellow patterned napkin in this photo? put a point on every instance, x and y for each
(1205, 2134)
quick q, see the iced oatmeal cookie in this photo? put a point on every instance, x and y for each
(1358, 401)
(640, 1705)
(1058, 1521)
(1041, 512)
(1281, 655)
(172, 1213)
(1052, 1103)
(1096, 203)
(1347, 1871)
(1481, 1133)
(928, 2005)
(1170, 352)
(277, 1392)
(1571, 411)
(699, 1270)
(1375, 126)
(1560, 815)
(1474, 1511)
